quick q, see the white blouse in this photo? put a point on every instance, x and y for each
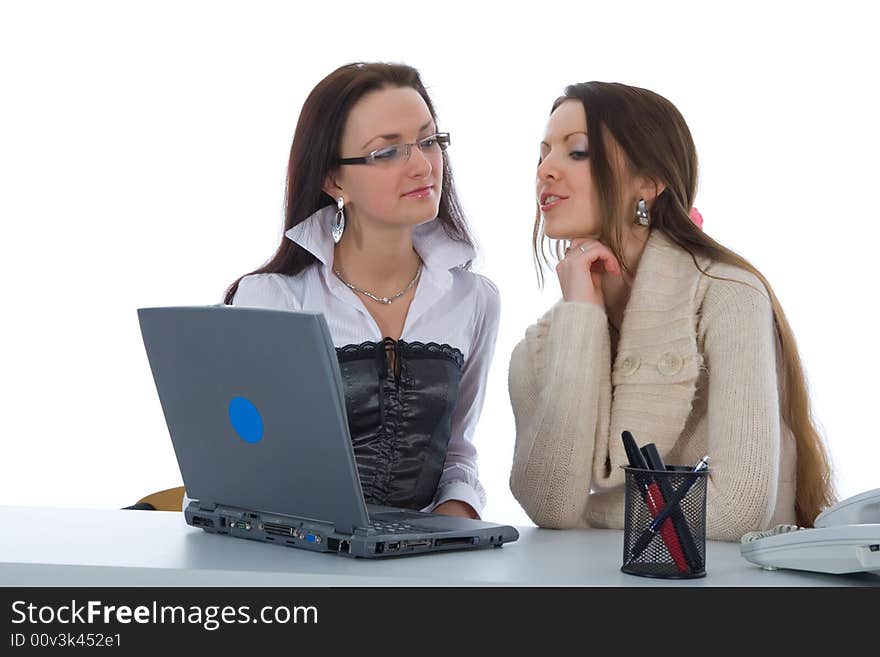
(451, 306)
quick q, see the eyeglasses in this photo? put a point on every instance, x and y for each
(400, 153)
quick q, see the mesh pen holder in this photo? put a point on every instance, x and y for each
(676, 547)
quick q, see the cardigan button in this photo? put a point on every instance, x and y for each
(629, 365)
(670, 364)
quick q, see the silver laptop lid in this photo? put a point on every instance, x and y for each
(254, 404)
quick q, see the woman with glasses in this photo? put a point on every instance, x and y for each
(661, 331)
(376, 241)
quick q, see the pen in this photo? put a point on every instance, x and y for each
(633, 454)
(688, 546)
(654, 499)
(648, 534)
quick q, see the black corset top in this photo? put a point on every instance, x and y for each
(399, 398)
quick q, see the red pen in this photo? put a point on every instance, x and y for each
(685, 537)
(655, 501)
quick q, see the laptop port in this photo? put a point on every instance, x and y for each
(454, 540)
(202, 521)
(240, 524)
(394, 546)
(416, 544)
(278, 529)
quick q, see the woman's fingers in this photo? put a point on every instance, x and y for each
(592, 255)
(580, 271)
(607, 259)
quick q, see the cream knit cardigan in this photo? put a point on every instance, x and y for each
(695, 373)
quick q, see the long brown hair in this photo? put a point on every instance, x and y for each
(315, 149)
(658, 145)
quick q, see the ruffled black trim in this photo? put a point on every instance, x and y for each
(402, 348)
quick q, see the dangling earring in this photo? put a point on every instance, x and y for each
(339, 221)
(642, 216)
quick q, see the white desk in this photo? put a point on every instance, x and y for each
(96, 547)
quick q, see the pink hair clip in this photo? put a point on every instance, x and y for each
(697, 218)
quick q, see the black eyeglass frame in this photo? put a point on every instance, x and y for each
(372, 157)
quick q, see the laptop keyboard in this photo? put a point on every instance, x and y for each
(389, 527)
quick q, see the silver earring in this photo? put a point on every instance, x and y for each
(642, 216)
(339, 221)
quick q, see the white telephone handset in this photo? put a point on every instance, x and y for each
(861, 509)
(845, 539)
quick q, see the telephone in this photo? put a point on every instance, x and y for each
(845, 539)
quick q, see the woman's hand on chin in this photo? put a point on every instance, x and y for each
(580, 271)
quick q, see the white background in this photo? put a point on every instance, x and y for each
(142, 159)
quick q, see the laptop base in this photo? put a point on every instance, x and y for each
(320, 537)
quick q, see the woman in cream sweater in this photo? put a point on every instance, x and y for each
(661, 331)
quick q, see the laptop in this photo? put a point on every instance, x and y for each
(254, 403)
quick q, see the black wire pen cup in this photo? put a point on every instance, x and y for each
(664, 533)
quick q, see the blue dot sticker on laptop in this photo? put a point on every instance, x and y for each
(246, 420)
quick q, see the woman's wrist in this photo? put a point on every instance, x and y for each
(456, 508)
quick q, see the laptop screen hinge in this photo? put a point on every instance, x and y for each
(207, 506)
